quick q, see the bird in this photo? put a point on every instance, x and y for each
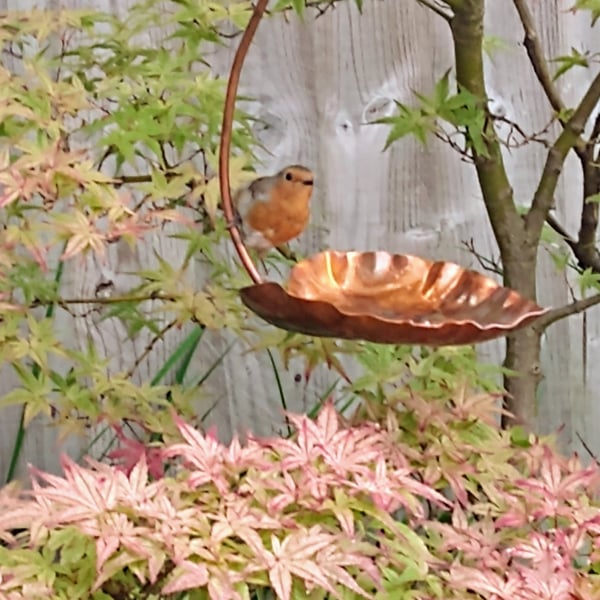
(275, 209)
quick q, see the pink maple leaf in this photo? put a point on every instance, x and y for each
(392, 488)
(287, 493)
(312, 437)
(542, 551)
(334, 561)
(352, 449)
(82, 493)
(131, 451)
(252, 454)
(554, 488)
(187, 575)
(240, 520)
(486, 582)
(296, 555)
(114, 531)
(202, 452)
(221, 584)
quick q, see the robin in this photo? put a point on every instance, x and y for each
(273, 210)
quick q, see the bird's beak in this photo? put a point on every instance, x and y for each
(309, 182)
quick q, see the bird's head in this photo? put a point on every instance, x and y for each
(297, 179)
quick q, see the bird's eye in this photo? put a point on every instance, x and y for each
(288, 176)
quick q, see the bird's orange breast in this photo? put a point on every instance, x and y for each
(283, 217)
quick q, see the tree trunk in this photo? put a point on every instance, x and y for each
(518, 252)
(522, 347)
(523, 357)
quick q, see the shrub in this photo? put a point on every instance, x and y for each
(426, 502)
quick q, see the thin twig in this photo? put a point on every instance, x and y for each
(447, 138)
(587, 256)
(556, 314)
(225, 146)
(595, 137)
(159, 336)
(488, 264)
(146, 178)
(63, 302)
(319, 6)
(556, 226)
(587, 448)
(526, 139)
(584, 248)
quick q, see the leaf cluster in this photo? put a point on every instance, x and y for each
(463, 111)
(108, 138)
(429, 500)
(592, 6)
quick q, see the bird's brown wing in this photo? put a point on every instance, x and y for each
(260, 188)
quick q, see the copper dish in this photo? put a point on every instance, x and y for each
(390, 299)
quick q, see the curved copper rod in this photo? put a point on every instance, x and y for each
(224, 184)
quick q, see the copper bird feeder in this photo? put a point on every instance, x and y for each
(390, 298)
(372, 296)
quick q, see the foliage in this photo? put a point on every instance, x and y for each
(593, 6)
(431, 500)
(109, 134)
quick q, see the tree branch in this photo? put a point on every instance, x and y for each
(536, 55)
(149, 346)
(507, 224)
(539, 63)
(595, 137)
(544, 194)
(436, 9)
(556, 314)
(587, 448)
(99, 300)
(589, 210)
(587, 256)
(584, 248)
(455, 4)
(556, 226)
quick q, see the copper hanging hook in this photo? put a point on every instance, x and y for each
(225, 147)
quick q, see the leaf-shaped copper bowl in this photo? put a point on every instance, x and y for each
(391, 299)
